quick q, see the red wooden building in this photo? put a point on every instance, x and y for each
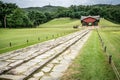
(90, 20)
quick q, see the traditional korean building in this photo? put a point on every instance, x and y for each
(90, 20)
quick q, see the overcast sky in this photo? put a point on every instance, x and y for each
(65, 3)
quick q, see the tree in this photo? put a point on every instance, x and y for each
(95, 11)
(48, 15)
(18, 19)
(6, 9)
(37, 17)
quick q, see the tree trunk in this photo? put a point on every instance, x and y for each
(5, 21)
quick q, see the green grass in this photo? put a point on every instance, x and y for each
(19, 37)
(111, 38)
(91, 63)
(106, 23)
(61, 23)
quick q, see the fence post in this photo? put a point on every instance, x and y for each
(10, 44)
(46, 37)
(38, 39)
(110, 59)
(52, 36)
(105, 48)
(27, 41)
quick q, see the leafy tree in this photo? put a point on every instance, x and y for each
(95, 11)
(18, 19)
(6, 9)
(48, 15)
(37, 17)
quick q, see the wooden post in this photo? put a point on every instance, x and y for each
(27, 41)
(10, 44)
(46, 37)
(110, 59)
(52, 36)
(105, 48)
(38, 39)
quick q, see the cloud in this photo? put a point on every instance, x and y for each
(65, 3)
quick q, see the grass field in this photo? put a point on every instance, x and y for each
(19, 37)
(61, 23)
(91, 63)
(106, 23)
(111, 38)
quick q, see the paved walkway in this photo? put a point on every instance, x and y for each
(44, 61)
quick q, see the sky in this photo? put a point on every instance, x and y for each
(65, 3)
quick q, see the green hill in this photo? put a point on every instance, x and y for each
(61, 23)
(47, 8)
(69, 23)
(106, 23)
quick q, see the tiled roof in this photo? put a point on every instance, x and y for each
(96, 17)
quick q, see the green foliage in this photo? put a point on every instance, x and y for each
(37, 17)
(6, 9)
(18, 19)
(47, 8)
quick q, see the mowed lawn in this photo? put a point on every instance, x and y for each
(19, 37)
(106, 23)
(91, 63)
(61, 23)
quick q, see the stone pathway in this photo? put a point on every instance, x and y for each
(44, 61)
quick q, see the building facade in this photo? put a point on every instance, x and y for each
(90, 20)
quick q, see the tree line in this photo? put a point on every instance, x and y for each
(109, 12)
(11, 16)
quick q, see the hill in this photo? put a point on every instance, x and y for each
(61, 22)
(47, 8)
(106, 23)
(69, 23)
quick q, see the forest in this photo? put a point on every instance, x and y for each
(12, 16)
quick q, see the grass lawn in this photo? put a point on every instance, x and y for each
(111, 38)
(61, 23)
(106, 23)
(91, 63)
(19, 37)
